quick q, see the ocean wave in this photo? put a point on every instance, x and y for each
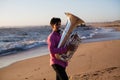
(89, 32)
(14, 40)
(18, 39)
(14, 47)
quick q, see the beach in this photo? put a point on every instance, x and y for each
(32, 31)
(91, 61)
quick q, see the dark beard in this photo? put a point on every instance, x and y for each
(59, 31)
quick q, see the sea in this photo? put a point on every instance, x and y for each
(22, 43)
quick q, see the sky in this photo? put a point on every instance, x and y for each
(39, 12)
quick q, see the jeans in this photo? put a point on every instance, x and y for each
(60, 72)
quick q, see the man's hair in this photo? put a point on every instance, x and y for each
(55, 20)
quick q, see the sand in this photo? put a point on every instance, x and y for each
(97, 61)
(91, 61)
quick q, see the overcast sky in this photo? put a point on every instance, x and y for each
(39, 12)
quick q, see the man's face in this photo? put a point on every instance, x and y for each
(57, 26)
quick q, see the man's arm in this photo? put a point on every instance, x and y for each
(53, 48)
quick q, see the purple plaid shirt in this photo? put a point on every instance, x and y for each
(53, 40)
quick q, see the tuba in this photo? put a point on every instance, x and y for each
(72, 22)
(67, 36)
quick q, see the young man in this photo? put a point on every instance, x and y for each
(53, 40)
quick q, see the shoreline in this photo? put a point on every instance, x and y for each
(22, 55)
(89, 59)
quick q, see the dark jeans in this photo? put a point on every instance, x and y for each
(60, 72)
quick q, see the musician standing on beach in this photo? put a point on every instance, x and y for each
(53, 40)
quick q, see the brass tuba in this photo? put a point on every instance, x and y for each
(72, 22)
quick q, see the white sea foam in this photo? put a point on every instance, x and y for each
(102, 34)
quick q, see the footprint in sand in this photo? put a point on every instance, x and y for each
(36, 69)
(26, 78)
(106, 74)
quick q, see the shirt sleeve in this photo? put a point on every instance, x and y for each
(53, 48)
